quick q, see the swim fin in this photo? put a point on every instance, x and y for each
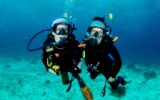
(121, 80)
(85, 90)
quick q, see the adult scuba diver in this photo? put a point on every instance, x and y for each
(61, 54)
(101, 55)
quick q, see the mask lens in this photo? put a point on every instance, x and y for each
(97, 32)
(62, 29)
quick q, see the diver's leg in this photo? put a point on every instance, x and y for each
(106, 70)
(64, 73)
(94, 74)
(65, 77)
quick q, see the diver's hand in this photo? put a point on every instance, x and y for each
(79, 67)
(51, 71)
(80, 64)
(90, 67)
(55, 69)
(77, 70)
(111, 79)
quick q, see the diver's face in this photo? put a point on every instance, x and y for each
(62, 29)
(97, 35)
(97, 32)
(61, 34)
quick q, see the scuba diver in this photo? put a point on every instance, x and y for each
(101, 55)
(61, 54)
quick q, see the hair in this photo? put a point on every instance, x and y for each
(101, 19)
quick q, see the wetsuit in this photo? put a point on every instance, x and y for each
(68, 55)
(104, 58)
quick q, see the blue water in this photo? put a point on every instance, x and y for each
(136, 22)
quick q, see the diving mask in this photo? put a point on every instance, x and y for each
(61, 34)
(61, 29)
(97, 32)
(94, 39)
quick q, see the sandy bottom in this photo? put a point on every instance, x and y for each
(27, 79)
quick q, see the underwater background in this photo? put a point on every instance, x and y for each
(135, 22)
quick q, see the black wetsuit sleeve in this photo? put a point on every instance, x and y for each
(45, 55)
(77, 52)
(117, 61)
